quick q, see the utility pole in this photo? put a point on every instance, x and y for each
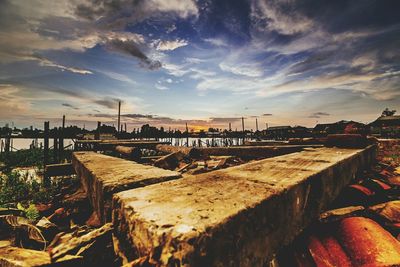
(244, 134)
(119, 116)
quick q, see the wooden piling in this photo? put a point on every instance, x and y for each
(46, 150)
(55, 146)
(7, 146)
(61, 140)
(187, 135)
(97, 134)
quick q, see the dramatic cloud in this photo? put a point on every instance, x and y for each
(126, 11)
(214, 57)
(280, 16)
(170, 45)
(129, 47)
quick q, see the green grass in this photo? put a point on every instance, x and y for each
(14, 189)
(26, 158)
(22, 158)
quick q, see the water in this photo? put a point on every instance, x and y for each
(204, 142)
(24, 143)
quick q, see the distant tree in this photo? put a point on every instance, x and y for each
(388, 112)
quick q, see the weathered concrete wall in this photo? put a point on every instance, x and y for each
(238, 151)
(238, 216)
(252, 151)
(102, 176)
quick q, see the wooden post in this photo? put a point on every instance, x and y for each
(97, 135)
(256, 125)
(230, 127)
(61, 140)
(46, 151)
(187, 135)
(244, 134)
(119, 116)
(7, 144)
(125, 128)
(55, 146)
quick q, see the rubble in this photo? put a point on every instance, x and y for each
(80, 245)
(341, 213)
(133, 153)
(190, 152)
(347, 140)
(355, 235)
(170, 161)
(20, 257)
(389, 211)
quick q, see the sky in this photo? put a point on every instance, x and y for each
(205, 63)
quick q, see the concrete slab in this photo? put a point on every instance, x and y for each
(111, 144)
(239, 216)
(102, 176)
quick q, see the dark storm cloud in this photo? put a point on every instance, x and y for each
(334, 16)
(119, 13)
(344, 15)
(129, 47)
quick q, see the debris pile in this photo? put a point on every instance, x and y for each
(363, 226)
(61, 233)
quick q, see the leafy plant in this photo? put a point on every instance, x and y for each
(30, 212)
(13, 189)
